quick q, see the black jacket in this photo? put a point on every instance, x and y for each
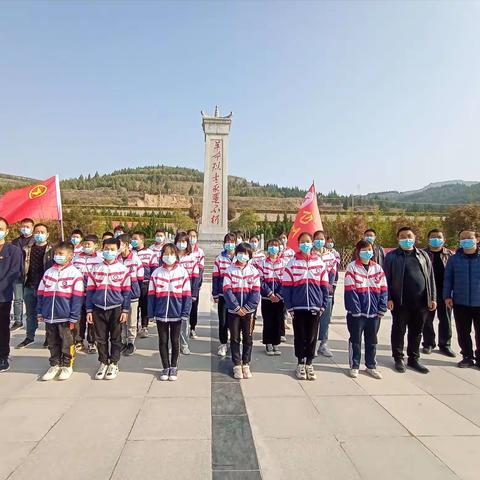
(446, 254)
(394, 268)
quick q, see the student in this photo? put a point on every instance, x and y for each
(305, 292)
(106, 235)
(76, 239)
(199, 253)
(108, 305)
(84, 262)
(37, 258)
(257, 255)
(273, 308)
(160, 238)
(328, 258)
(11, 264)
(238, 237)
(365, 297)
(23, 240)
(169, 304)
(222, 262)
(461, 291)
(149, 260)
(59, 303)
(118, 230)
(131, 260)
(241, 290)
(370, 235)
(189, 261)
(439, 256)
(331, 246)
(286, 252)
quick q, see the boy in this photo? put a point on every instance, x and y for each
(76, 238)
(118, 230)
(59, 301)
(108, 304)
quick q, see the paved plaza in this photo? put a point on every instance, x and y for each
(206, 425)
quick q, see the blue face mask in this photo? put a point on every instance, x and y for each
(406, 243)
(182, 246)
(109, 255)
(330, 245)
(306, 247)
(117, 234)
(243, 257)
(75, 240)
(365, 255)
(60, 259)
(40, 237)
(169, 259)
(468, 243)
(2, 234)
(254, 245)
(26, 231)
(88, 250)
(319, 243)
(159, 239)
(134, 243)
(273, 250)
(369, 239)
(436, 242)
(230, 247)
(193, 241)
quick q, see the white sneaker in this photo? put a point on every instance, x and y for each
(51, 373)
(102, 371)
(164, 374)
(173, 374)
(301, 373)
(311, 375)
(112, 372)
(269, 350)
(353, 372)
(185, 350)
(66, 373)
(143, 333)
(222, 350)
(373, 372)
(276, 350)
(237, 372)
(193, 334)
(283, 339)
(324, 350)
(246, 371)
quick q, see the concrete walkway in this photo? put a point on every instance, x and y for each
(273, 426)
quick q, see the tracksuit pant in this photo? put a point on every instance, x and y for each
(273, 319)
(143, 305)
(166, 331)
(194, 314)
(129, 328)
(369, 328)
(82, 328)
(18, 302)
(222, 321)
(241, 331)
(305, 331)
(444, 315)
(30, 299)
(108, 334)
(324, 321)
(60, 343)
(5, 329)
(464, 317)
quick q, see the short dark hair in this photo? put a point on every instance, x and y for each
(140, 234)
(4, 220)
(255, 236)
(274, 241)
(77, 232)
(434, 230)
(467, 230)
(369, 230)
(244, 247)
(107, 234)
(192, 230)
(238, 233)
(90, 238)
(119, 227)
(404, 229)
(40, 225)
(124, 237)
(362, 244)
(27, 220)
(318, 232)
(303, 234)
(171, 246)
(64, 245)
(331, 238)
(111, 241)
(160, 230)
(229, 237)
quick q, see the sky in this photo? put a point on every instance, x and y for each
(360, 96)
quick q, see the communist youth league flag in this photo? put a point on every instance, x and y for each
(40, 201)
(307, 219)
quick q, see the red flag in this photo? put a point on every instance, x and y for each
(307, 219)
(40, 201)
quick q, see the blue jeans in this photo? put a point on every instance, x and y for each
(369, 327)
(30, 299)
(18, 302)
(325, 322)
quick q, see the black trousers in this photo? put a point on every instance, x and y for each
(143, 305)
(108, 334)
(168, 330)
(411, 318)
(273, 320)
(81, 327)
(444, 315)
(241, 326)
(60, 343)
(464, 317)
(368, 327)
(222, 321)
(194, 314)
(305, 331)
(5, 329)
(282, 326)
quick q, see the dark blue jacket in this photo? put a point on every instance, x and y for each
(11, 265)
(462, 279)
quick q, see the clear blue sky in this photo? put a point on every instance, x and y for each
(385, 95)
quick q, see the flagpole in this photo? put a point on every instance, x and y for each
(60, 209)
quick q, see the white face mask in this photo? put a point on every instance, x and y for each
(169, 259)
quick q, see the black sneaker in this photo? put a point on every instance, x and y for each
(15, 326)
(466, 363)
(129, 350)
(400, 365)
(447, 351)
(4, 365)
(427, 350)
(24, 344)
(417, 366)
(124, 347)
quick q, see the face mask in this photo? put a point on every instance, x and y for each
(160, 239)
(110, 254)
(406, 243)
(306, 247)
(182, 246)
(75, 240)
(169, 259)
(284, 241)
(60, 259)
(229, 247)
(88, 250)
(243, 257)
(254, 245)
(40, 237)
(319, 243)
(435, 242)
(273, 250)
(117, 234)
(330, 245)
(193, 241)
(468, 243)
(26, 231)
(365, 254)
(2, 234)
(134, 243)
(239, 241)
(282, 248)
(369, 239)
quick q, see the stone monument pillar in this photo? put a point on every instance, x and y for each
(214, 224)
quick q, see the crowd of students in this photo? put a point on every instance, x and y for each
(99, 296)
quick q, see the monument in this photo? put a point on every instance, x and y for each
(214, 223)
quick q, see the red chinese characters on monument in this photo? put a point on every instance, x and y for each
(216, 184)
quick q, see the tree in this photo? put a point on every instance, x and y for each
(459, 218)
(247, 222)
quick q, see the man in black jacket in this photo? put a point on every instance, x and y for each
(370, 235)
(411, 296)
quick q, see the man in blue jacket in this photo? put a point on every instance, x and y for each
(11, 262)
(461, 290)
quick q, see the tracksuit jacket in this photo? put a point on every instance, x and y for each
(84, 263)
(137, 272)
(271, 273)
(366, 292)
(108, 287)
(222, 262)
(149, 260)
(328, 258)
(60, 294)
(190, 263)
(241, 287)
(305, 283)
(169, 294)
(257, 258)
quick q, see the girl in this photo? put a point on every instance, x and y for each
(286, 252)
(305, 292)
(331, 246)
(366, 303)
(169, 304)
(273, 307)
(199, 253)
(241, 289)
(189, 261)
(257, 255)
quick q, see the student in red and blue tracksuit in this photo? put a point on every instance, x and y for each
(169, 303)
(59, 305)
(366, 296)
(200, 255)
(241, 290)
(305, 292)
